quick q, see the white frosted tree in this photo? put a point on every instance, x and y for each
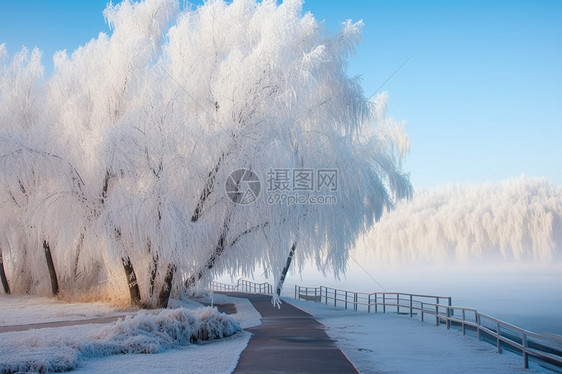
(148, 125)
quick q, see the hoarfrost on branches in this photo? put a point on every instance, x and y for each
(119, 160)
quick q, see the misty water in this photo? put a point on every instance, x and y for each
(524, 294)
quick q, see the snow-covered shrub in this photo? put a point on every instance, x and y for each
(145, 332)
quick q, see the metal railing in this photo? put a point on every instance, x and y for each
(544, 347)
(243, 286)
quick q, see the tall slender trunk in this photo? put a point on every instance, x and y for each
(134, 291)
(164, 296)
(286, 269)
(51, 266)
(3, 275)
(153, 273)
(132, 281)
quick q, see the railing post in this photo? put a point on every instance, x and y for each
(355, 301)
(448, 322)
(421, 311)
(369, 304)
(478, 325)
(384, 303)
(525, 355)
(296, 293)
(452, 311)
(463, 322)
(411, 306)
(345, 299)
(335, 296)
(437, 313)
(397, 303)
(376, 304)
(498, 332)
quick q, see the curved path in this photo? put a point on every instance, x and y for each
(289, 340)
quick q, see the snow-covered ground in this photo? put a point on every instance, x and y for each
(391, 343)
(374, 343)
(97, 348)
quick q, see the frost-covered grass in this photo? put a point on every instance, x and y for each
(26, 309)
(169, 332)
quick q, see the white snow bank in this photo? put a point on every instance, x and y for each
(144, 332)
(390, 343)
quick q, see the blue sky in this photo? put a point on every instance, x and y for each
(482, 93)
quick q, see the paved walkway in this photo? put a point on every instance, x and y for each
(44, 325)
(289, 340)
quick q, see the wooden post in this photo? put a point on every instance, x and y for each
(51, 266)
(463, 322)
(369, 304)
(383, 303)
(3, 275)
(397, 303)
(422, 311)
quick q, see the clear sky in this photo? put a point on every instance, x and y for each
(482, 93)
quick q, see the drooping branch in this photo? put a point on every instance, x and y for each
(3, 275)
(219, 250)
(51, 266)
(207, 190)
(77, 257)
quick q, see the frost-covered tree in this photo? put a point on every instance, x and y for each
(142, 130)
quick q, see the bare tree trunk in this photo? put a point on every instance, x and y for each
(134, 291)
(286, 269)
(3, 275)
(51, 266)
(164, 296)
(153, 274)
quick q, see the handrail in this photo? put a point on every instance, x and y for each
(243, 286)
(545, 347)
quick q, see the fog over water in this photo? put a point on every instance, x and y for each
(495, 247)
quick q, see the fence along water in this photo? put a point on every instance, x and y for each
(546, 348)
